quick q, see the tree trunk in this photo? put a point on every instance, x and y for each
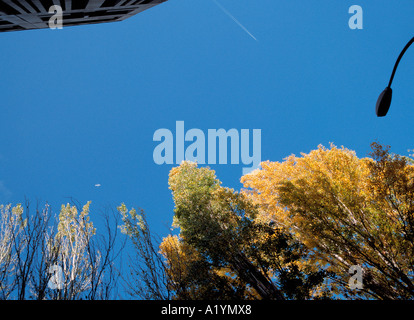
(249, 273)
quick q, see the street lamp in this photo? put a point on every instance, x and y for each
(384, 99)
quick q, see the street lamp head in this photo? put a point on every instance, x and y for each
(383, 102)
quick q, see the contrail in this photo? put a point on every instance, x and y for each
(234, 19)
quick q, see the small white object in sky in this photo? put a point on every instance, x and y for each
(97, 185)
(234, 19)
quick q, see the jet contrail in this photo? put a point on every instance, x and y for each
(234, 19)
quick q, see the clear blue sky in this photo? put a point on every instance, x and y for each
(79, 106)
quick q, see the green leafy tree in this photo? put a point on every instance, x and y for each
(242, 254)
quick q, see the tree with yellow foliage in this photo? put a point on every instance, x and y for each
(227, 249)
(347, 211)
(296, 231)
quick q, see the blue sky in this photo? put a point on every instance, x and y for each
(79, 106)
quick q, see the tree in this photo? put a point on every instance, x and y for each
(348, 211)
(148, 277)
(35, 246)
(78, 254)
(224, 238)
(11, 224)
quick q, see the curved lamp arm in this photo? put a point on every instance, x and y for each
(398, 60)
(384, 100)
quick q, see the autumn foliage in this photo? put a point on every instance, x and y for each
(296, 228)
(347, 211)
(227, 249)
(295, 231)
